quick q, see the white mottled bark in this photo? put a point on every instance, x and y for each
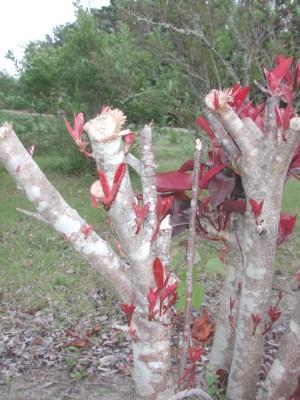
(263, 167)
(151, 339)
(284, 373)
(223, 344)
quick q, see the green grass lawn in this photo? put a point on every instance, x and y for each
(38, 269)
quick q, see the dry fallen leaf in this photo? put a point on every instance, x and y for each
(203, 328)
(79, 343)
(93, 331)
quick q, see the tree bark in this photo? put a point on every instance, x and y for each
(284, 373)
(223, 344)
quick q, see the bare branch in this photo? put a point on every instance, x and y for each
(105, 136)
(134, 163)
(225, 140)
(198, 33)
(37, 216)
(190, 260)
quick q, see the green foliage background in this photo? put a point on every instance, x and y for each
(155, 59)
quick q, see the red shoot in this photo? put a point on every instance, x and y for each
(273, 313)
(140, 213)
(128, 310)
(77, 131)
(129, 138)
(275, 77)
(256, 207)
(195, 354)
(286, 226)
(109, 195)
(201, 121)
(239, 95)
(216, 101)
(231, 304)
(87, 230)
(256, 319)
(158, 272)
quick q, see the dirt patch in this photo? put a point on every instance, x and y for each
(48, 384)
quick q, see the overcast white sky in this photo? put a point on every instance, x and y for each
(25, 20)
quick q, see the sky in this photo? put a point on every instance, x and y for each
(26, 20)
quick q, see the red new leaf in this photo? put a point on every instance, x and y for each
(163, 206)
(201, 121)
(286, 226)
(187, 166)
(77, 131)
(219, 187)
(237, 206)
(275, 76)
(239, 96)
(173, 181)
(109, 195)
(195, 354)
(256, 207)
(273, 313)
(128, 310)
(104, 183)
(210, 174)
(256, 319)
(158, 272)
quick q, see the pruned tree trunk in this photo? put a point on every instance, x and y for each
(223, 344)
(284, 373)
(131, 278)
(263, 166)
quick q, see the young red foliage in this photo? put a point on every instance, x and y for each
(275, 76)
(210, 174)
(140, 213)
(256, 207)
(202, 122)
(109, 195)
(128, 310)
(158, 272)
(256, 319)
(286, 226)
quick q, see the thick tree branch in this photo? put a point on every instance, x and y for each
(222, 136)
(53, 208)
(237, 130)
(105, 135)
(148, 178)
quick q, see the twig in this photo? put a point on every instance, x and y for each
(225, 140)
(199, 393)
(262, 88)
(190, 260)
(37, 216)
(134, 163)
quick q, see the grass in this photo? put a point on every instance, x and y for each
(39, 270)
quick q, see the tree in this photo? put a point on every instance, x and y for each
(262, 148)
